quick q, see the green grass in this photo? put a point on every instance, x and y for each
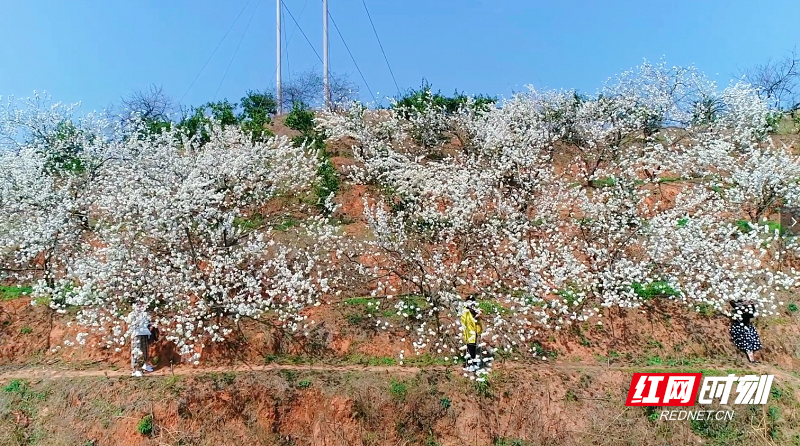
(254, 221)
(13, 292)
(361, 301)
(286, 224)
(398, 390)
(746, 226)
(491, 307)
(654, 289)
(604, 182)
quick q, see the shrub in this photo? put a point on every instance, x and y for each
(145, 426)
(300, 119)
(424, 97)
(792, 307)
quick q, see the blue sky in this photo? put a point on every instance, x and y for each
(95, 52)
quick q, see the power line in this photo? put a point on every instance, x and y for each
(301, 31)
(363, 2)
(237, 48)
(215, 51)
(351, 57)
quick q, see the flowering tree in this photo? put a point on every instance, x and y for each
(552, 207)
(165, 220)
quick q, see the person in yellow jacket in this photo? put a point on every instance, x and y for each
(473, 327)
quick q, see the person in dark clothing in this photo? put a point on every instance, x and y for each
(743, 333)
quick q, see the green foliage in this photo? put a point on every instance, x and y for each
(304, 384)
(398, 390)
(424, 97)
(682, 222)
(286, 224)
(654, 289)
(705, 310)
(502, 441)
(328, 182)
(603, 182)
(254, 221)
(145, 426)
(570, 295)
(540, 351)
(484, 388)
(792, 307)
(774, 119)
(16, 386)
(361, 301)
(491, 307)
(300, 119)
(26, 330)
(257, 108)
(64, 147)
(13, 292)
(445, 402)
(746, 226)
(570, 396)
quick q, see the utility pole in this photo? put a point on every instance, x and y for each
(280, 86)
(325, 53)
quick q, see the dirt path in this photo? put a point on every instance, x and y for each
(38, 372)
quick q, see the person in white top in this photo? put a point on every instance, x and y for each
(139, 329)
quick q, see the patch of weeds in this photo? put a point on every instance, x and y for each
(445, 402)
(651, 412)
(654, 289)
(26, 330)
(289, 375)
(13, 292)
(678, 362)
(145, 426)
(424, 360)
(431, 441)
(570, 396)
(484, 388)
(491, 307)
(570, 296)
(792, 307)
(361, 359)
(502, 441)
(717, 432)
(398, 390)
(287, 224)
(603, 182)
(254, 221)
(770, 226)
(540, 351)
(705, 310)
(304, 384)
